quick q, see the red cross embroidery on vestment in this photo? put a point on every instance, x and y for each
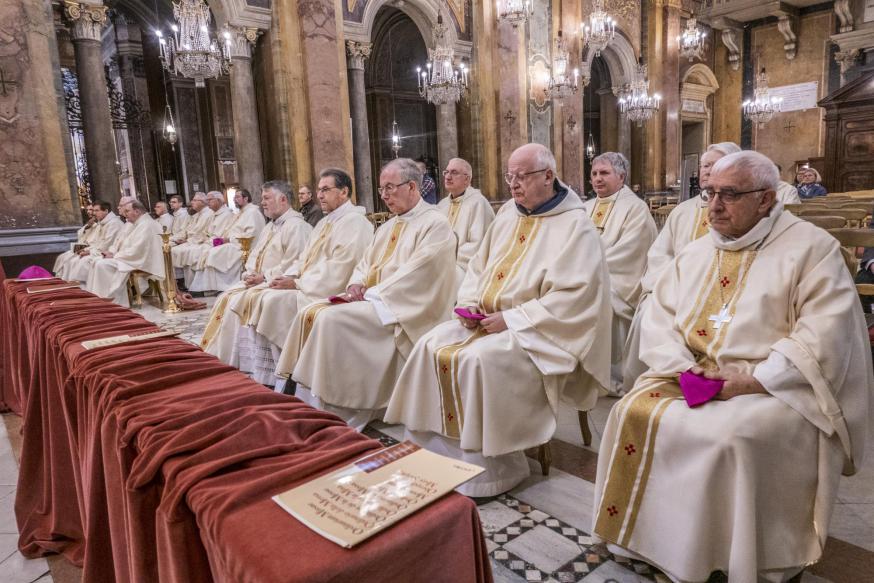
(600, 214)
(701, 332)
(630, 449)
(309, 320)
(445, 369)
(655, 395)
(521, 238)
(450, 417)
(500, 276)
(393, 239)
(724, 281)
(612, 510)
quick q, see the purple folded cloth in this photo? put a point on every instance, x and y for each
(218, 241)
(698, 389)
(34, 272)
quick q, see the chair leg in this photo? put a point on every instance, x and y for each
(544, 456)
(584, 427)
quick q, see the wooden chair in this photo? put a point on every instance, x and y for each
(378, 219)
(544, 452)
(660, 215)
(655, 202)
(826, 222)
(133, 290)
(855, 217)
(497, 204)
(851, 240)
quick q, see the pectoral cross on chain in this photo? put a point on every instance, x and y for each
(721, 318)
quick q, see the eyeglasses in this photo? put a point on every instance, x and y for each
(510, 177)
(453, 173)
(390, 188)
(326, 190)
(726, 196)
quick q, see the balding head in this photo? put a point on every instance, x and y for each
(456, 176)
(215, 199)
(530, 175)
(198, 201)
(124, 204)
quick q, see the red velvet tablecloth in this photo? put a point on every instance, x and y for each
(152, 461)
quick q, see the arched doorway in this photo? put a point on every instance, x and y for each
(393, 95)
(601, 115)
(696, 115)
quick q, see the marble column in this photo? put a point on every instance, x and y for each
(247, 139)
(357, 53)
(87, 22)
(447, 134)
(671, 93)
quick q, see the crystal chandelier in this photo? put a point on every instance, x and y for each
(601, 28)
(560, 83)
(763, 107)
(692, 40)
(635, 102)
(190, 52)
(441, 82)
(515, 12)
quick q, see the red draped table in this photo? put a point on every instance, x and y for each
(152, 461)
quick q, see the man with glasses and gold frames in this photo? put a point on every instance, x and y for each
(627, 231)
(468, 211)
(484, 390)
(402, 288)
(687, 222)
(727, 453)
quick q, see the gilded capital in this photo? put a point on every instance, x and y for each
(87, 20)
(358, 53)
(846, 59)
(241, 41)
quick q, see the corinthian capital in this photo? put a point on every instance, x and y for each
(357, 53)
(242, 39)
(846, 59)
(88, 20)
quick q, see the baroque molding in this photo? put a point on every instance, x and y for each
(846, 59)
(243, 38)
(358, 52)
(88, 20)
(730, 40)
(844, 12)
(786, 25)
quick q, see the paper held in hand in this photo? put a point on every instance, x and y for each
(374, 492)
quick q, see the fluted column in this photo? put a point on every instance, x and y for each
(247, 139)
(357, 53)
(87, 22)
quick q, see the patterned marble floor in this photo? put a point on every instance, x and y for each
(536, 532)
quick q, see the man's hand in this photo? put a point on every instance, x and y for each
(84, 252)
(283, 282)
(356, 292)
(736, 383)
(108, 255)
(467, 322)
(494, 323)
(253, 279)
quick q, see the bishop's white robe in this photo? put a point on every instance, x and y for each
(220, 267)
(280, 243)
(219, 225)
(195, 234)
(165, 221)
(485, 397)
(84, 236)
(350, 355)
(627, 231)
(110, 230)
(470, 215)
(180, 222)
(141, 250)
(687, 222)
(787, 194)
(746, 485)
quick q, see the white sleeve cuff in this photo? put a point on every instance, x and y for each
(546, 356)
(383, 312)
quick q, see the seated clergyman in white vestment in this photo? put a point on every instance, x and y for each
(108, 231)
(140, 251)
(218, 230)
(627, 231)
(180, 217)
(744, 483)
(686, 223)
(402, 288)
(281, 241)
(468, 211)
(163, 216)
(84, 236)
(220, 267)
(195, 234)
(483, 391)
(323, 269)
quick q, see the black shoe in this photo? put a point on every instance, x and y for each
(290, 388)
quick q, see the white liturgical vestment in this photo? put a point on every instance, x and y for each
(220, 267)
(108, 232)
(470, 215)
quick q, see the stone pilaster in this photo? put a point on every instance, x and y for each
(247, 139)
(447, 134)
(847, 60)
(671, 94)
(86, 26)
(356, 54)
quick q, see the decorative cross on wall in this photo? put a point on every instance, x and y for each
(789, 127)
(5, 83)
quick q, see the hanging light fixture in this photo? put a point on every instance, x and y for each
(635, 101)
(441, 82)
(763, 107)
(395, 138)
(561, 84)
(591, 152)
(601, 29)
(190, 51)
(692, 40)
(515, 12)
(170, 128)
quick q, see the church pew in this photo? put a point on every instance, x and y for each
(855, 217)
(852, 241)
(826, 222)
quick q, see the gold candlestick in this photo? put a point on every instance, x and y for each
(246, 248)
(170, 307)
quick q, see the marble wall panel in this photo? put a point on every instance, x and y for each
(36, 188)
(539, 51)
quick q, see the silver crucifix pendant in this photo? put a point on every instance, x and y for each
(721, 318)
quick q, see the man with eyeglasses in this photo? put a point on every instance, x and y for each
(485, 390)
(280, 242)
(687, 222)
(468, 211)
(402, 288)
(727, 453)
(627, 231)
